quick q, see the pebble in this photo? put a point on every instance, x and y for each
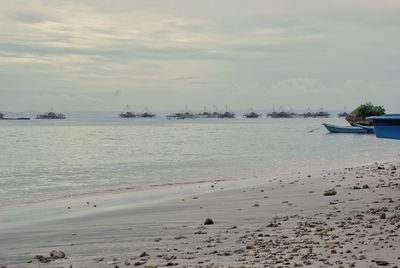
(329, 192)
(208, 221)
(57, 254)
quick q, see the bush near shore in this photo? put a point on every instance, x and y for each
(363, 111)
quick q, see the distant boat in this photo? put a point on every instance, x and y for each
(51, 115)
(13, 118)
(320, 113)
(252, 114)
(387, 126)
(344, 113)
(186, 114)
(282, 113)
(348, 129)
(205, 113)
(227, 113)
(146, 114)
(127, 113)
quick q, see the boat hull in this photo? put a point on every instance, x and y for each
(347, 130)
(368, 129)
(387, 127)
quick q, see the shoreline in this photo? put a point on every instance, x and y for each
(151, 187)
(283, 222)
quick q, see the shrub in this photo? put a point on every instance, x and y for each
(368, 109)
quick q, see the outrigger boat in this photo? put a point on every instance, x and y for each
(387, 126)
(349, 129)
(227, 114)
(51, 115)
(127, 113)
(13, 118)
(146, 114)
(187, 114)
(320, 113)
(252, 114)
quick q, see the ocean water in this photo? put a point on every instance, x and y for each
(48, 159)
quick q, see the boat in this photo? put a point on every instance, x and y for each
(146, 114)
(205, 113)
(346, 129)
(252, 114)
(51, 115)
(127, 113)
(227, 114)
(344, 113)
(186, 114)
(386, 126)
(13, 118)
(320, 113)
(368, 129)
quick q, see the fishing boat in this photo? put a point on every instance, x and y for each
(387, 126)
(320, 113)
(344, 113)
(227, 114)
(252, 114)
(346, 129)
(205, 113)
(51, 115)
(146, 114)
(186, 114)
(127, 113)
(13, 118)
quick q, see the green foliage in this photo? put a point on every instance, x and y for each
(368, 109)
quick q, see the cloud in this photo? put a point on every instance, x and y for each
(267, 48)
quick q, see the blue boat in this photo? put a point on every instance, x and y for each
(368, 129)
(346, 129)
(387, 126)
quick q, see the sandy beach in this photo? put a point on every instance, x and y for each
(337, 218)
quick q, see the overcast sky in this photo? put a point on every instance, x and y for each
(165, 54)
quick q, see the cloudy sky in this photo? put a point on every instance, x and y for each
(165, 54)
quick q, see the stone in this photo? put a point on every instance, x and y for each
(42, 259)
(330, 193)
(143, 254)
(382, 263)
(57, 254)
(208, 221)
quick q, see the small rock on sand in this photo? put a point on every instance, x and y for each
(330, 192)
(382, 263)
(144, 254)
(208, 221)
(57, 254)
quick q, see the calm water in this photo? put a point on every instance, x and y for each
(44, 159)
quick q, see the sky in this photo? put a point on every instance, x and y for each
(99, 55)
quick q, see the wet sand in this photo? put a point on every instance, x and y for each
(341, 218)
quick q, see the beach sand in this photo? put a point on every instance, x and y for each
(340, 218)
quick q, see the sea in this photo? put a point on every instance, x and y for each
(99, 152)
